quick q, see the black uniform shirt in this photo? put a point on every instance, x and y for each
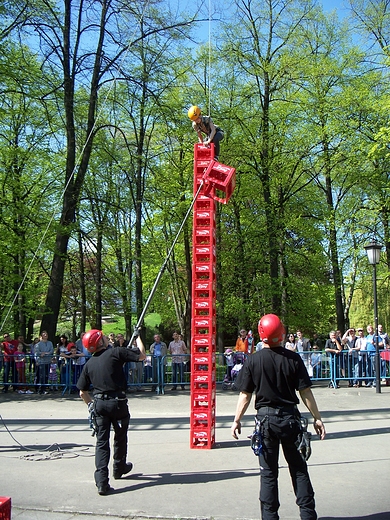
(274, 374)
(104, 370)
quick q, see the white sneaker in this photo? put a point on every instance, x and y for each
(29, 392)
(20, 391)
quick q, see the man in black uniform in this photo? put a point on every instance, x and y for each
(274, 374)
(104, 371)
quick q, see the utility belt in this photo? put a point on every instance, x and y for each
(279, 410)
(303, 440)
(121, 396)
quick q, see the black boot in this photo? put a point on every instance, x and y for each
(121, 469)
(104, 489)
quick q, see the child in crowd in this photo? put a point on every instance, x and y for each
(20, 367)
(148, 373)
(53, 374)
(229, 363)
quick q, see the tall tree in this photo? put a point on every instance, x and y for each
(86, 42)
(26, 181)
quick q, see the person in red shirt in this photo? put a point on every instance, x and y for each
(9, 362)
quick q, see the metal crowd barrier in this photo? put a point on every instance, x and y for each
(357, 368)
(32, 376)
(156, 374)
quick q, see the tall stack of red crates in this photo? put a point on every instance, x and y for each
(203, 344)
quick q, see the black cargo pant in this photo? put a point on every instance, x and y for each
(281, 426)
(110, 411)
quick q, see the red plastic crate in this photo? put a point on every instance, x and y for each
(203, 398)
(204, 322)
(204, 236)
(205, 253)
(220, 181)
(204, 289)
(204, 325)
(202, 343)
(203, 203)
(199, 177)
(202, 307)
(202, 381)
(5, 508)
(204, 269)
(204, 217)
(198, 370)
(204, 303)
(202, 363)
(202, 152)
(203, 376)
(203, 418)
(203, 359)
(202, 438)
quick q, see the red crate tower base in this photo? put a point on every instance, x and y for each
(203, 344)
(5, 508)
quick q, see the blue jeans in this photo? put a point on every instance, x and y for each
(158, 372)
(178, 367)
(9, 366)
(43, 376)
(216, 139)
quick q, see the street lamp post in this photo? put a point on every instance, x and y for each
(373, 250)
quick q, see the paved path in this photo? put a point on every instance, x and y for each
(350, 469)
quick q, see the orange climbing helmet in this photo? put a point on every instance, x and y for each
(271, 330)
(194, 112)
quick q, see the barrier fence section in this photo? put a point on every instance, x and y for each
(28, 374)
(355, 367)
(159, 374)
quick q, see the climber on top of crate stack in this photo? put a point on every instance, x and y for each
(204, 125)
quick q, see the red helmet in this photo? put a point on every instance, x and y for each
(91, 339)
(271, 330)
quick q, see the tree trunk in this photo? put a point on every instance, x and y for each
(334, 257)
(270, 210)
(73, 186)
(83, 292)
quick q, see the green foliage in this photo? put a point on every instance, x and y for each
(306, 126)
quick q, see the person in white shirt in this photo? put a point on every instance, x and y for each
(361, 347)
(177, 348)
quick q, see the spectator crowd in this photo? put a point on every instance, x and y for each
(42, 367)
(349, 356)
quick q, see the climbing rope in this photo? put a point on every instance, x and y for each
(209, 71)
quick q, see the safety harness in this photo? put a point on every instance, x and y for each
(303, 442)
